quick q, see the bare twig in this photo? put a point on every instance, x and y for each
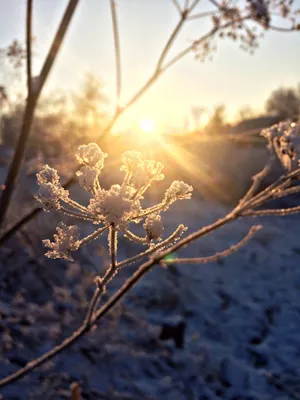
(117, 50)
(11, 230)
(193, 5)
(100, 289)
(93, 235)
(257, 180)
(177, 6)
(225, 253)
(268, 213)
(29, 46)
(286, 192)
(186, 4)
(77, 214)
(75, 391)
(30, 109)
(202, 15)
(178, 232)
(171, 40)
(282, 29)
(113, 246)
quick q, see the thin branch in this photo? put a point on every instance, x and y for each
(225, 253)
(282, 29)
(193, 5)
(113, 246)
(93, 302)
(102, 282)
(117, 50)
(159, 72)
(257, 180)
(75, 214)
(29, 46)
(186, 4)
(177, 6)
(93, 235)
(191, 47)
(30, 109)
(150, 210)
(171, 40)
(76, 205)
(202, 15)
(216, 4)
(135, 238)
(280, 184)
(282, 212)
(286, 192)
(12, 229)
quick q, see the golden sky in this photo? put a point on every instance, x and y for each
(233, 77)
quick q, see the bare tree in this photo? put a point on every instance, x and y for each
(284, 103)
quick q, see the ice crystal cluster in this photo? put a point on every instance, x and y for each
(113, 209)
(284, 141)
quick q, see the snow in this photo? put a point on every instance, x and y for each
(241, 315)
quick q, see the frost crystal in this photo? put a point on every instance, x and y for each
(48, 175)
(143, 172)
(178, 191)
(115, 206)
(50, 191)
(131, 160)
(91, 155)
(49, 195)
(87, 177)
(147, 172)
(65, 240)
(154, 227)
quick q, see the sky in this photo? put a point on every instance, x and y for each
(233, 77)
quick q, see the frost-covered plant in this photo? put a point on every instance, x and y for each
(115, 209)
(284, 140)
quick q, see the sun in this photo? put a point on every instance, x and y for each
(147, 126)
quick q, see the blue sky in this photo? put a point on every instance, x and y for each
(233, 77)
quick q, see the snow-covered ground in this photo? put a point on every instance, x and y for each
(241, 316)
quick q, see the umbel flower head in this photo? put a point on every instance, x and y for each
(114, 209)
(50, 193)
(65, 241)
